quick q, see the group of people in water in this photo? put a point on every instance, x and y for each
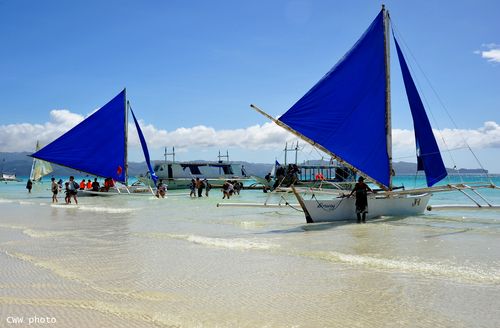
(196, 187)
(71, 187)
(228, 189)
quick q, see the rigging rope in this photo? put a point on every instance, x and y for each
(290, 205)
(440, 102)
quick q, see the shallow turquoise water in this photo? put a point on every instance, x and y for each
(138, 261)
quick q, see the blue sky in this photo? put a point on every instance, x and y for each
(189, 64)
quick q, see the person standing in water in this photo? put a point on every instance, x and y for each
(55, 189)
(29, 185)
(207, 185)
(161, 189)
(199, 186)
(67, 198)
(361, 189)
(73, 189)
(192, 187)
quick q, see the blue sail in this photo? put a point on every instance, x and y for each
(144, 148)
(96, 145)
(428, 154)
(345, 111)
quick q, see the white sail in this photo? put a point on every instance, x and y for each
(40, 168)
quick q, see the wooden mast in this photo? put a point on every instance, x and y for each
(388, 125)
(126, 135)
(32, 164)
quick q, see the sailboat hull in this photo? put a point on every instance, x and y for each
(344, 209)
(124, 191)
(8, 177)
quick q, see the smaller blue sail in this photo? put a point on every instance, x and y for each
(144, 148)
(428, 154)
(96, 145)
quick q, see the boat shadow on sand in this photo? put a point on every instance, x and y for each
(322, 226)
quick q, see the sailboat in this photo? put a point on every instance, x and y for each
(7, 177)
(39, 168)
(98, 144)
(347, 115)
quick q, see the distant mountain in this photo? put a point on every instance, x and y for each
(404, 168)
(20, 163)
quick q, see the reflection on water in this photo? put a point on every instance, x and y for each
(143, 262)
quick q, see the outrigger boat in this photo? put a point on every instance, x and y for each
(347, 115)
(178, 175)
(9, 177)
(98, 146)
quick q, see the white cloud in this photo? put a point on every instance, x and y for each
(23, 136)
(492, 54)
(268, 136)
(487, 136)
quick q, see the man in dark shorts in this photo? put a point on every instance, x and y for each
(361, 189)
(55, 189)
(73, 188)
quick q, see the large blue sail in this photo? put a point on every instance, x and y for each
(96, 145)
(144, 148)
(345, 111)
(428, 154)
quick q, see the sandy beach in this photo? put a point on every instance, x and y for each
(181, 262)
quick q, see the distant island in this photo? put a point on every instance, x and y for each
(20, 164)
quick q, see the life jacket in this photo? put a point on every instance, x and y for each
(89, 185)
(82, 185)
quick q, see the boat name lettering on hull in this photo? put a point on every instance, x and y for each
(329, 207)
